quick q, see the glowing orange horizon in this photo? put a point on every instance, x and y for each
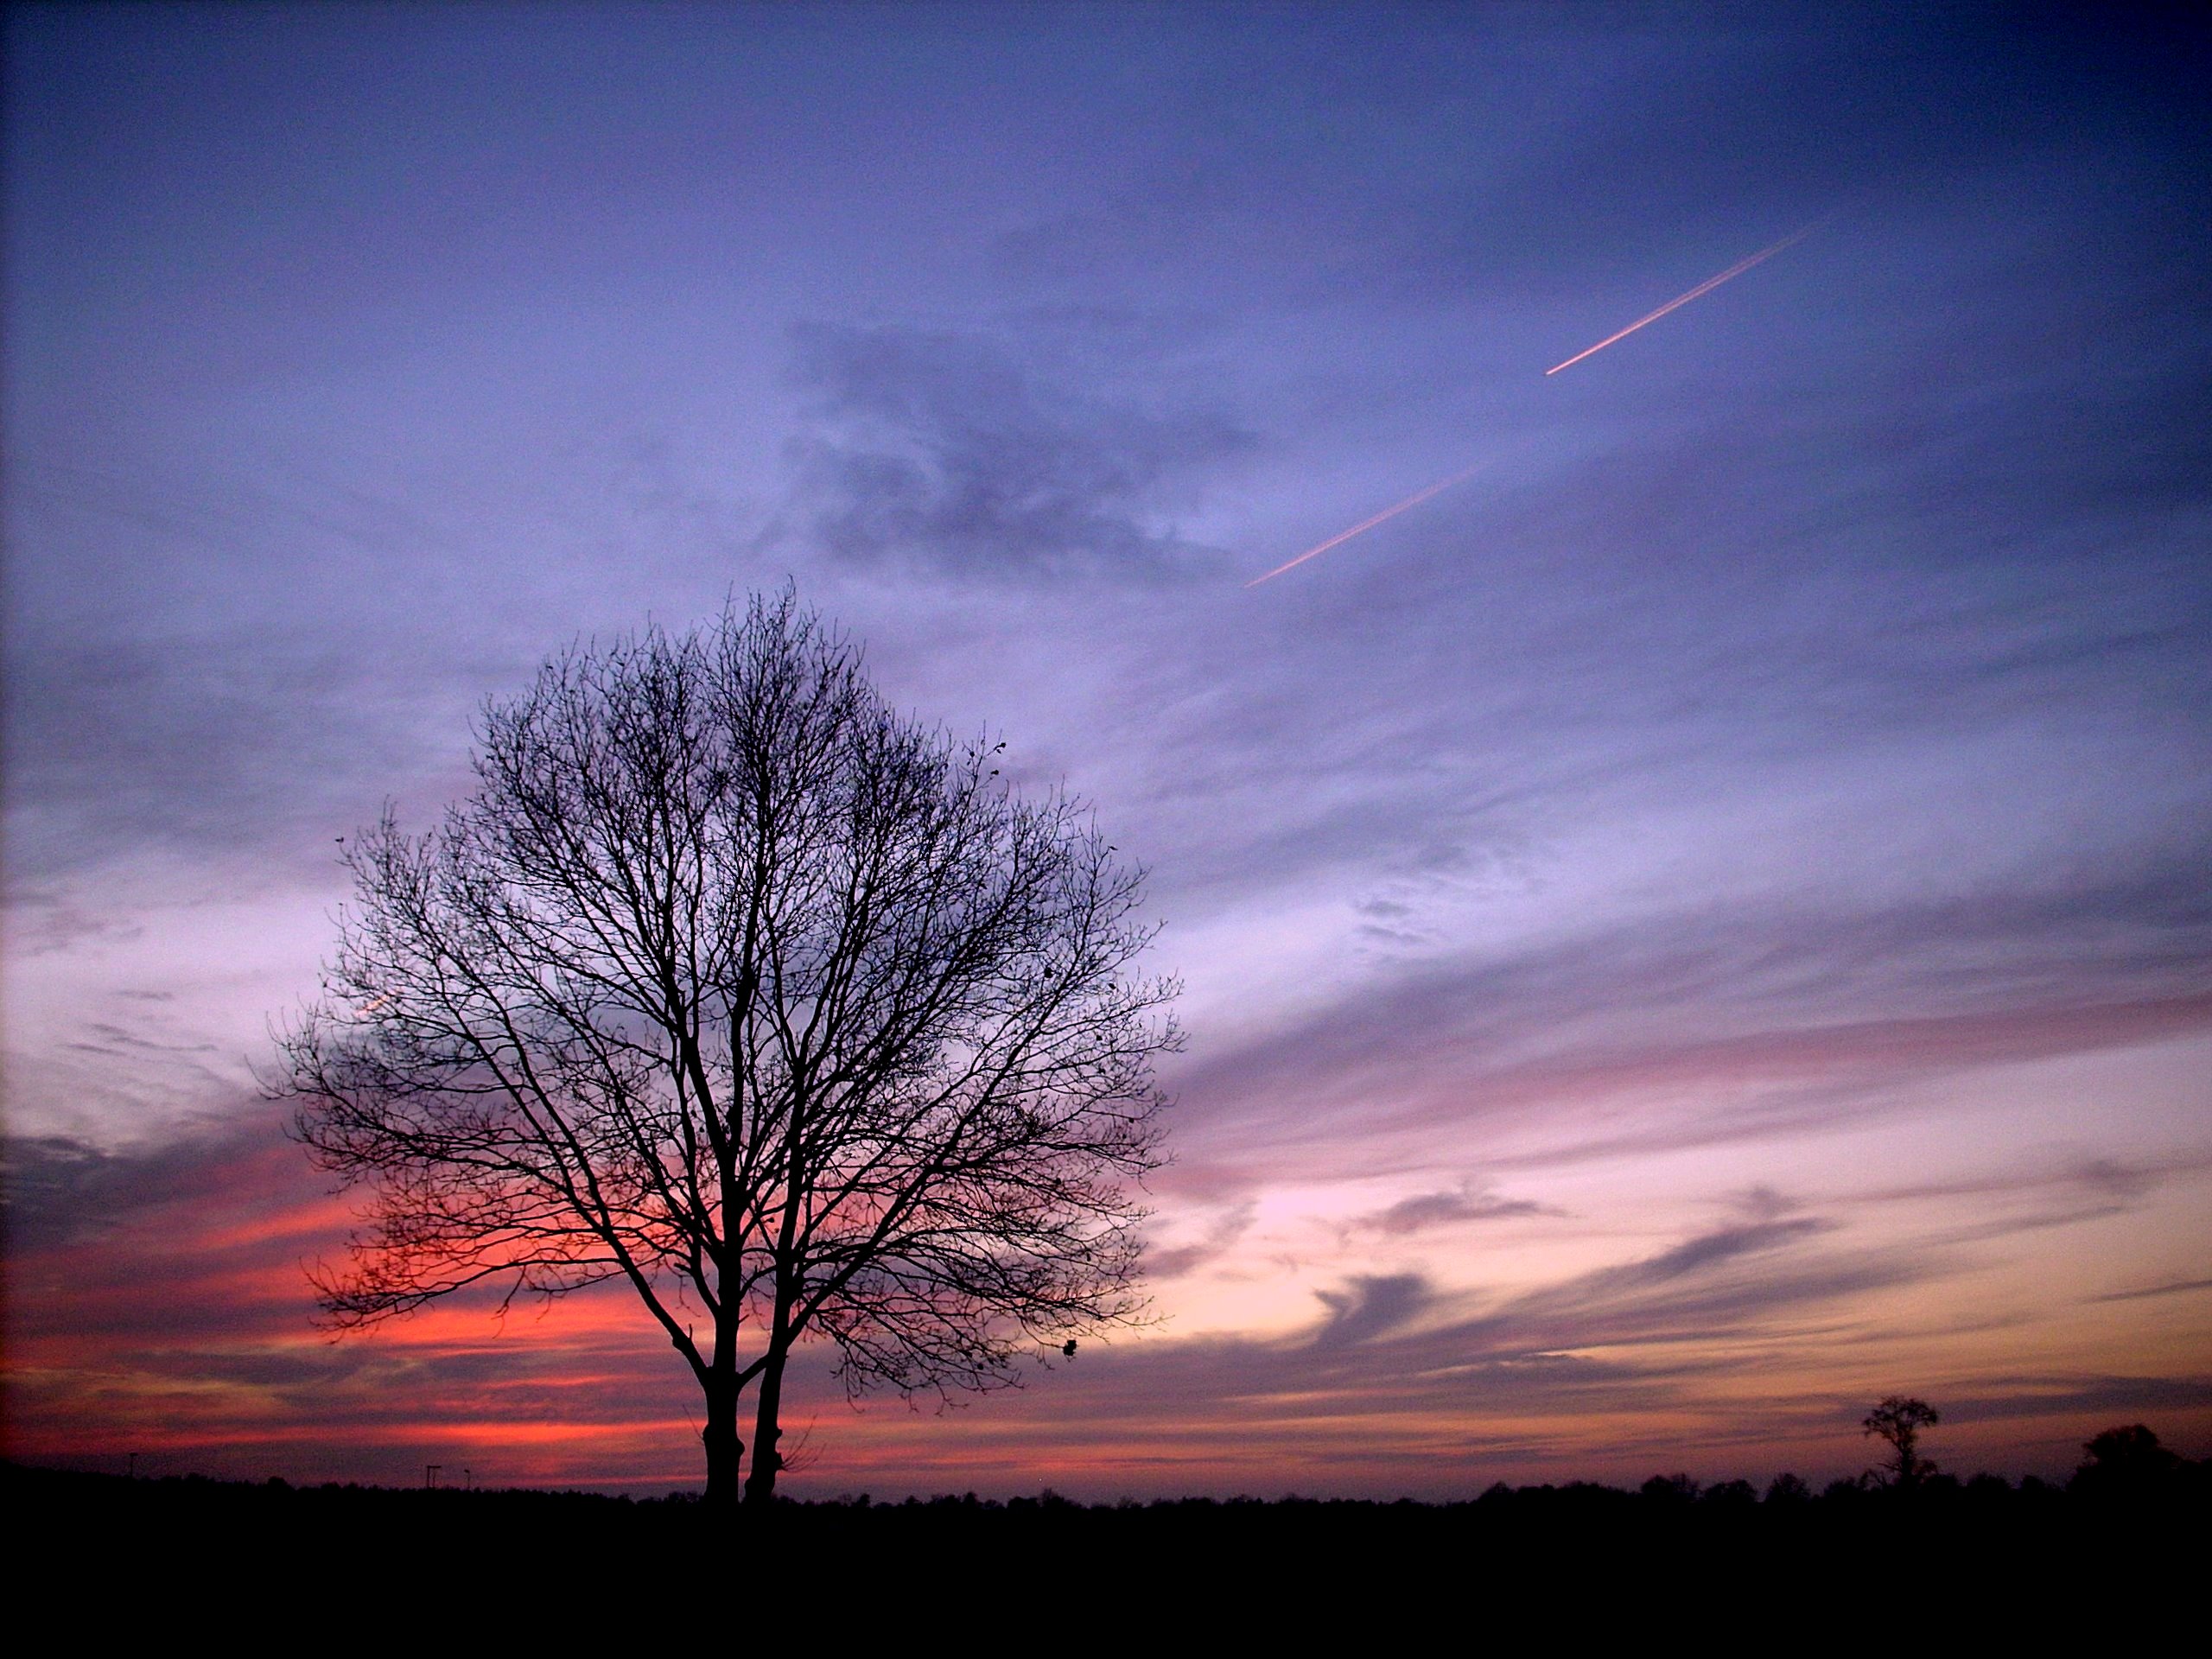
(1705, 287)
(1366, 524)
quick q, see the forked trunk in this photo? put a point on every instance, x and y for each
(760, 1484)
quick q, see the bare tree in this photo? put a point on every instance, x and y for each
(731, 983)
(1898, 1420)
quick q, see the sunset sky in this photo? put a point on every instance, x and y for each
(1700, 924)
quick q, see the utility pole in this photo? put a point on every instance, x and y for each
(430, 1476)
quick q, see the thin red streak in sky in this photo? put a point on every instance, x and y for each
(1705, 287)
(1366, 524)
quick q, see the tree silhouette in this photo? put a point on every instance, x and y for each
(2126, 1462)
(1898, 1420)
(732, 984)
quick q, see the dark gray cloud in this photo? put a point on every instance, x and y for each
(1427, 1210)
(1710, 1249)
(1735, 1283)
(1371, 1306)
(2178, 1288)
(59, 1190)
(958, 451)
(2052, 1396)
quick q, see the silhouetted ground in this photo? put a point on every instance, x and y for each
(1972, 1557)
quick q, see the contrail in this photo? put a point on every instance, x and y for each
(1366, 524)
(1705, 287)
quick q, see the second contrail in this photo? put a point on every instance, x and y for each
(1705, 287)
(1366, 524)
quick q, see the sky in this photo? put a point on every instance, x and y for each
(1696, 926)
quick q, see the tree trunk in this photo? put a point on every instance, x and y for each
(725, 1452)
(768, 1432)
(760, 1484)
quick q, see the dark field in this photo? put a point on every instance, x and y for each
(1961, 1557)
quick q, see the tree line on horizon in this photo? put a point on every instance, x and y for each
(2126, 1464)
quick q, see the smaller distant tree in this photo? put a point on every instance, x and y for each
(1898, 1421)
(2124, 1461)
(1788, 1490)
